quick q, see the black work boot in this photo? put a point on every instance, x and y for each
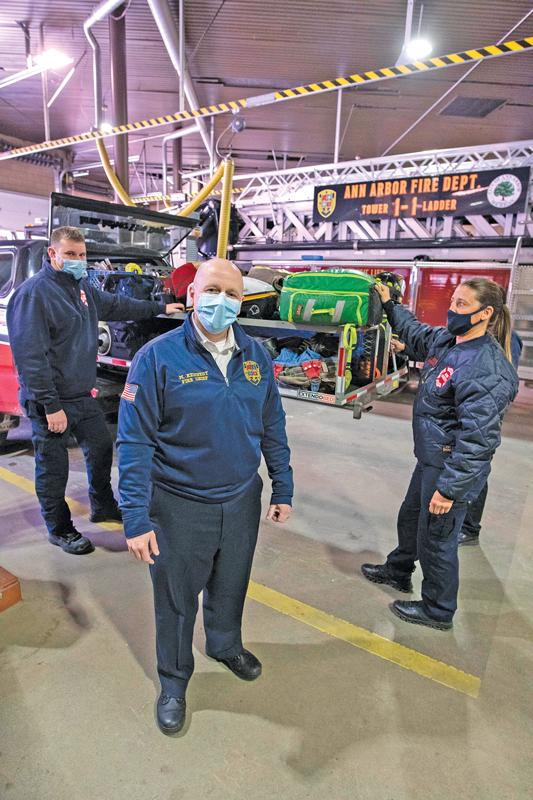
(414, 611)
(170, 714)
(380, 573)
(72, 542)
(244, 665)
(110, 513)
(467, 539)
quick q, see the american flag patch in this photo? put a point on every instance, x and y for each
(83, 298)
(129, 392)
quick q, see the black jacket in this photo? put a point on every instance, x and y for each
(464, 391)
(53, 331)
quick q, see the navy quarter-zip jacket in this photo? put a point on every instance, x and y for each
(187, 429)
(53, 331)
(464, 391)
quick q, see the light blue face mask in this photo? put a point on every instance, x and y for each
(217, 312)
(78, 269)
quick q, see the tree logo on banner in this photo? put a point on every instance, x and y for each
(504, 191)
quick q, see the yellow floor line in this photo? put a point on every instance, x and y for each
(379, 646)
(77, 508)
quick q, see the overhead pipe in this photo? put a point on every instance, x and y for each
(44, 84)
(98, 15)
(119, 91)
(163, 18)
(225, 209)
(181, 50)
(170, 137)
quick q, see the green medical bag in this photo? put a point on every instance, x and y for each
(332, 297)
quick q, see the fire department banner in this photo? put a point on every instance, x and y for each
(495, 191)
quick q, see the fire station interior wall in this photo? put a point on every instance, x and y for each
(18, 210)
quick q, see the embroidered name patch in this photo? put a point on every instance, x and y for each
(129, 392)
(83, 298)
(443, 377)
(192, 377)
(252, 372)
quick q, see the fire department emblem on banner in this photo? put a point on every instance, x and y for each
(326, 201)
(252, 372)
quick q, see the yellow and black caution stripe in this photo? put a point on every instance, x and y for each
(372, 76)
(439, 62)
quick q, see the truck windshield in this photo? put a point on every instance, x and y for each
(6, 269)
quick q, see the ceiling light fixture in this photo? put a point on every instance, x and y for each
(106, 128)
(52, 59)
(417, 49)
(48, 60)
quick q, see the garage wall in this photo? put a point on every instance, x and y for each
(18, 210)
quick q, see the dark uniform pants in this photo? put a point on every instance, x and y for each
(472, 523)
(431, 539)
(202, 547)
(86, 422)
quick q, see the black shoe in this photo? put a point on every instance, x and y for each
(72, 542)
(170, 714)
(467, 539)
(413, 611)
(244, 665)
(108, 514)
(380, 573)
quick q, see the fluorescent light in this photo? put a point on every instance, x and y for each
(52, 59)
(106, 128)
(418, 48)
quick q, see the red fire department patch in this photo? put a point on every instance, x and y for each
(83, 298)
(444, 377)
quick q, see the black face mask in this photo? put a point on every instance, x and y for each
(459, 324)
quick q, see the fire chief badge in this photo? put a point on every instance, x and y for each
(326, 201)
(252, 372)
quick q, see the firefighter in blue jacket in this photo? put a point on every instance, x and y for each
(53, 331)
(466, 384)
(199, 408)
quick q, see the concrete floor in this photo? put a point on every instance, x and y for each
(77, 673)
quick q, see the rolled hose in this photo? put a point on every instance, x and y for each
(225, 210)
(111, 175)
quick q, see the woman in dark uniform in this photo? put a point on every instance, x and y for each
(465, 387)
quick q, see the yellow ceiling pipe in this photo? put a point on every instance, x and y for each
(225, 210)
(111, 175)
(224, 170)
(203, 193)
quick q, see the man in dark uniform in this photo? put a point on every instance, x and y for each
(199, 408)
(53, 331)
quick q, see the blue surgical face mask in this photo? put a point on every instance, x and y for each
(459, 324)
(217, 312)
(78, 269)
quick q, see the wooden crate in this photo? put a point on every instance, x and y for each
(9, 589)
